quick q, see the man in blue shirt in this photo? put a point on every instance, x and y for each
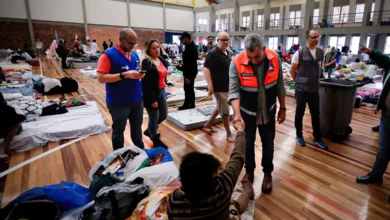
(118, 69)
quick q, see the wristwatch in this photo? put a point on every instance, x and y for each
(121, 75)
(284, 109)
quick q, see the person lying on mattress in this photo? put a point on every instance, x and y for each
(206, 195)
(11, 118)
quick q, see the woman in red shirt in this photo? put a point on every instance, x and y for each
(153, 87)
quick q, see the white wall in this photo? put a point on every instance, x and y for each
(145, 16)
(101, 12)
(57, 10)
(12, 9)
(203, 15)
(386, 6)
(224, 11)
(179, 20)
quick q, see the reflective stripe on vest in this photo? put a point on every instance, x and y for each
(248, 78)
(247, 111)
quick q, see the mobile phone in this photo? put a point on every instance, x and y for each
(143, 71)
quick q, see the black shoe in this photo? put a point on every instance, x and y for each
(146, 133)
(376, 128)
(183, 107)
(369, 179)
(158, 143)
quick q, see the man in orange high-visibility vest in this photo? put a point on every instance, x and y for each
(256, 80)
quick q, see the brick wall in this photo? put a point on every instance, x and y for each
(14, 34)
(104, 33)
(45, 33)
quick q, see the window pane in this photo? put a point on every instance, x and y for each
(340, 42)
(298, 18)
(260, 21)
(336, 15)
(372, 10)
(315, 16)
(344, 13)
(292, 18)
(296, 40)
(289, 42)
(387, 46)
(205, 21)
(359, 12)
(333, 41)
(355, 44)
(368, 41)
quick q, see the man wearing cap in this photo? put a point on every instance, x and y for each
(190, 70)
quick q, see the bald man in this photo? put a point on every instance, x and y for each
(216, 71)
(118, 69)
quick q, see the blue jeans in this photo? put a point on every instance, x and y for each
(383, 154)
(328, 71)
(157, 115)
(267, 135)
(120, 115)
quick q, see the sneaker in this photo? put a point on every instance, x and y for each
(321, 144)
(301, 141)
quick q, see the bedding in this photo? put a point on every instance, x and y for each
(191, 118)
(78, 122)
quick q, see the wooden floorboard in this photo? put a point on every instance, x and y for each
(309, 183)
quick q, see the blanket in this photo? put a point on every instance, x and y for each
(78, 122)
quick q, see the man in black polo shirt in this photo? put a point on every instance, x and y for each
(216, 71)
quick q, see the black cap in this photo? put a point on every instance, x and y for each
(185, 35)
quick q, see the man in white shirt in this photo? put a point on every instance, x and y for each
(93, 47)
(305, 71)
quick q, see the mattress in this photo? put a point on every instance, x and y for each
(193, 118)
(201, 85)
(178, 97)
(78, 122)
(16, 67)
(89, 72)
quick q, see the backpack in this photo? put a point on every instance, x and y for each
(35, 210)
(116, 202)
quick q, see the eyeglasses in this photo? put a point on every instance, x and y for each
(315, 37)
(224, 40)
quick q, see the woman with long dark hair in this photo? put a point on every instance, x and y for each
(153, 86)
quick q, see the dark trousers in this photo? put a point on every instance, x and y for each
(313, 99)
(120, 115)
(189, 93)
(157, 115)
(383, 154)
(63, 62)
(267, 135)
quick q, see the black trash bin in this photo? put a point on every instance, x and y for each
(337, 100)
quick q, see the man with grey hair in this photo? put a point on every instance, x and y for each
(118, 69)
(305, 71)
(330, 61)
(256, 80)
(216, 72)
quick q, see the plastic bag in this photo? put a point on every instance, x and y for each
(153, 153)
(68, 195)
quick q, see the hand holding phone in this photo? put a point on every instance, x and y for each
(143, 71)
(133, 74)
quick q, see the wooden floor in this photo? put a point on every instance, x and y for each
(309, 183)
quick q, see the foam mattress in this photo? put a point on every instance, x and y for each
(193, 118)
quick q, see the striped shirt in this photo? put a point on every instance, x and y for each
(216, 207)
